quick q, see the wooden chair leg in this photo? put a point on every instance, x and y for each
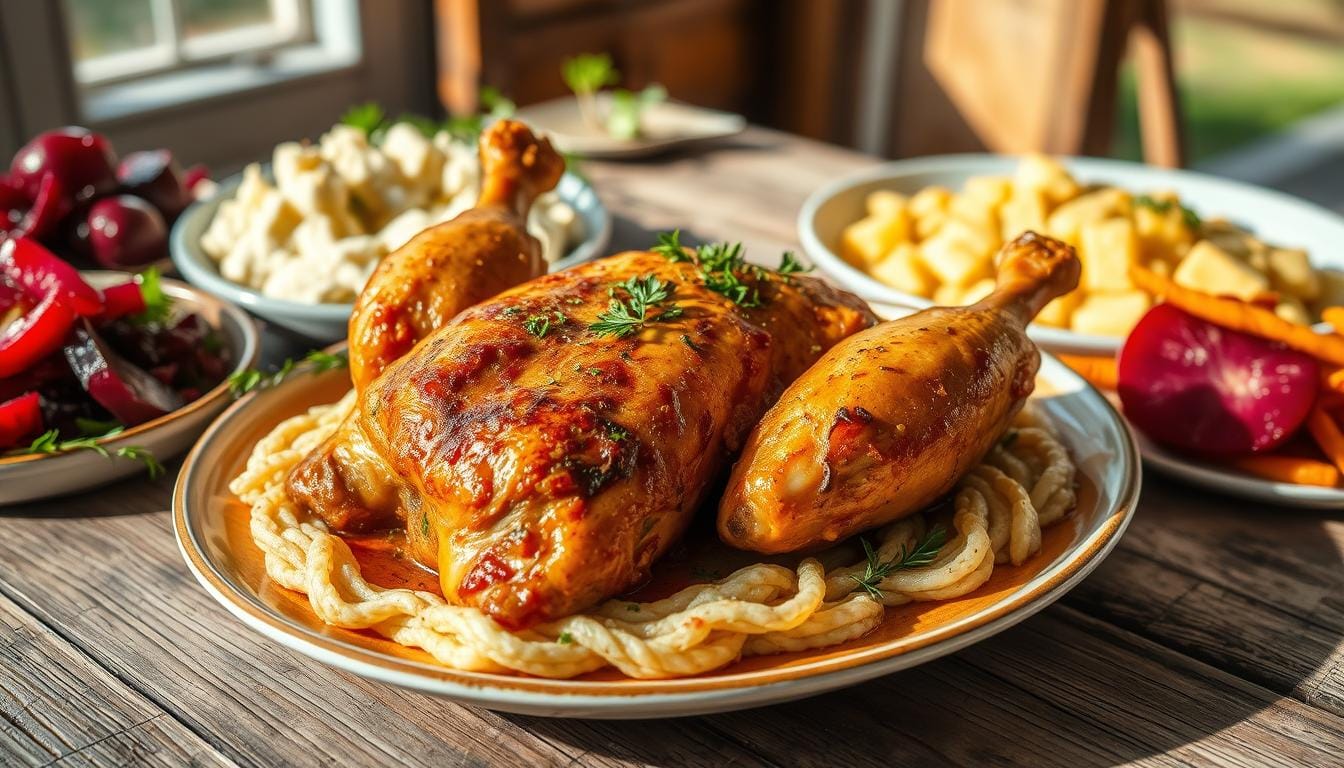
(1159, 101)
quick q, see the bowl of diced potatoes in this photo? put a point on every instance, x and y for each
(924, 232)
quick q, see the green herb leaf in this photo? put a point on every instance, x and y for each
(669, 246)
(50, 442)
(617, 434)
(1190, 218)
(685, 339)
(157, 304)
(790, 265)
(925, 551)
(95, 427)
(625, 116)
(317, 361)
(588, 73)
(367, 117)
(565, 638)
(136, 453)
(627, 316)
(538, 325)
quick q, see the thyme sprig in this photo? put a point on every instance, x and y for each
(924, 552)
(50, 442)
(626, 316)
(317, 361)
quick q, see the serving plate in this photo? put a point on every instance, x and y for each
(667, 125)
(327, 322)
(1273, 216)
(212, 529)
(38, 476)
(1233, 483)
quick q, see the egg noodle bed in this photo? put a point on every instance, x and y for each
(1027, 482)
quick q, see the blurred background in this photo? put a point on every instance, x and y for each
(1259, 86)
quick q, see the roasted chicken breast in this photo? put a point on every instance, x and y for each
(889, 419)
(545, 447)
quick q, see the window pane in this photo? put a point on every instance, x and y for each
(205, 17)
(99, 28)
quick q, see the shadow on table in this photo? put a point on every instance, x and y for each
(1196, 635)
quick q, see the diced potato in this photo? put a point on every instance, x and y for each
(1162, 235)
(1332, 289)
(903, 270)
(1108, 249)
(1291, 272)
(1110, 314)
(867, 240)
(930, 200)
(1210, 269)
(989, 189)
(1066, 222)
(1047, 176)
(927, 226)
(954, 262)
(978, 240)
(1060, 310)
(1025, 210)
(885, 202)
(1293, 310)
(979, 213)
(977, 290)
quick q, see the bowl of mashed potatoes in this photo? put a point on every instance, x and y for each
(294, 240)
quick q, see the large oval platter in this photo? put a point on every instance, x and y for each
(212, 531)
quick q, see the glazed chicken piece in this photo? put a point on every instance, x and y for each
(891, 418)
(542, 466)
(454, 265)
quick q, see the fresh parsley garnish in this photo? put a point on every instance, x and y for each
(925, 551)
(95, 427)
(790, 265)
(317, 361)
(157, 304)
(588, 73)
(50, 442)
(669, 246)
(540, 325)
(367, 117)
(626, 316)
(617, 434)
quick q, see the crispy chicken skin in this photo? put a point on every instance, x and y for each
(889, 419)
(542, 474)
(453, 265)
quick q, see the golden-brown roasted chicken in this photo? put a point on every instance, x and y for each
(889, 419)
(545, 447)
(453, 265)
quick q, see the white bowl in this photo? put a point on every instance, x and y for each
(29, 477)
(327, 322)
(1273, 216)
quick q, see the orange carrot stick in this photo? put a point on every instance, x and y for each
(1238, 315)
(1327, 435)
(1289, 469)
(1335, 317)
(1098, 370)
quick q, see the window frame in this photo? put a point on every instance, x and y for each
(366, 49)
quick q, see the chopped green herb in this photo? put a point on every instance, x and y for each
(669, 246)
(790, 265)
(424, 524)
(565, 638)
(157, 304)
(538, 325)
(511, 311)
(367, 117)
(317, 361)
(1190, 218)
(925, 551)
(50, 442)
(685, 339)
(628, 316)
(616, 433)
(573, 301)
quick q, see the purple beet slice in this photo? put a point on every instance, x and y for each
(128, 392)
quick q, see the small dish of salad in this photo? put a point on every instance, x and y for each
(105, 374)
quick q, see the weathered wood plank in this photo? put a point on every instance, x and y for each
(57, 705)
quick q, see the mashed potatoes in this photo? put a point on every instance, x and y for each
(338, 206)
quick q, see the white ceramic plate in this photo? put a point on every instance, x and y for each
(327, 322)
(1233, 483)
(667, 125)
(31, 477)
(1274, 216)
(212, 531)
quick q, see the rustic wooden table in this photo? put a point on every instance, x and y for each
(1211, 636)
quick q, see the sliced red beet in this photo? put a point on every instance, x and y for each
(20, 418)
(126, 391)
(40, 273)
(1204, 389)
(32, 337)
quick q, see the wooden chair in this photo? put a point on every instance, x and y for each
(1041, 75)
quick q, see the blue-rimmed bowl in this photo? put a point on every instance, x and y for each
(327, 322)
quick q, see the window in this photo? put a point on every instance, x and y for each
(113, 41)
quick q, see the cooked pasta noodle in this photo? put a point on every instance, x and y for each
(998, 510)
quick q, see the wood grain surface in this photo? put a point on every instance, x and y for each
(1212, 636)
